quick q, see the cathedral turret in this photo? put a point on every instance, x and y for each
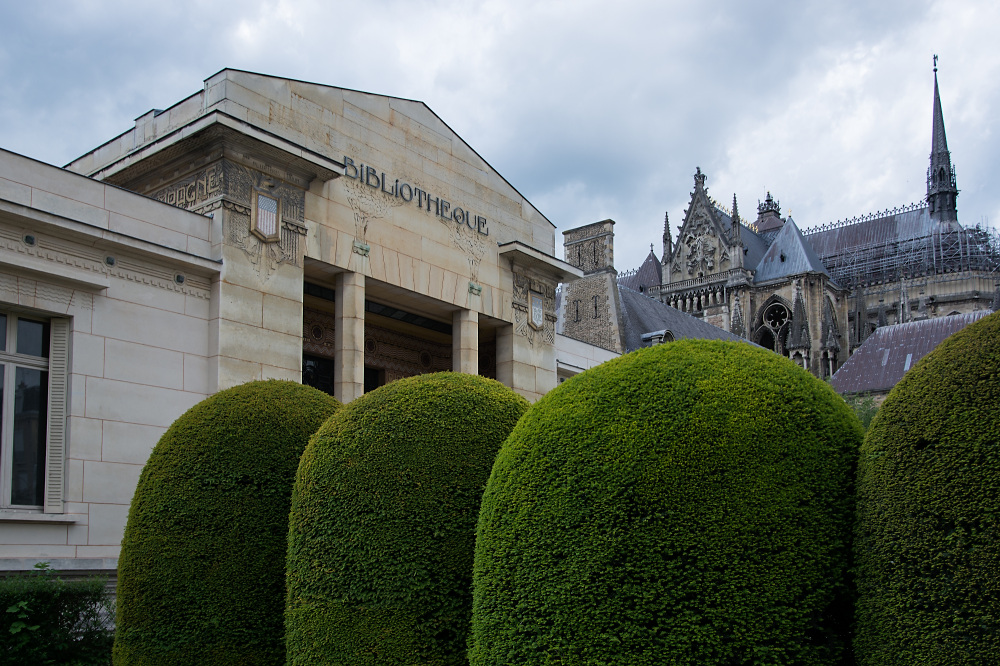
(941, 188)
(769, 214)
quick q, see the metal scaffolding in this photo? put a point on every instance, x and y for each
(939, 254)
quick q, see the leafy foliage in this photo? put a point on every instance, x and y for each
(688, 503)
(928, 531)
(48, 620)
(864, 407)
(201, 573)
(383, 516)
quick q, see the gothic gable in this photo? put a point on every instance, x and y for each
(702, 247)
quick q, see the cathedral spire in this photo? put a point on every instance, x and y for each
(667, 245)
(941, 188)
(736, 238)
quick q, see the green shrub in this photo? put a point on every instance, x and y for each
(688, 503)
(201, 573)
(383, 521)
(864, 407)
(48, 620)
(928, 530)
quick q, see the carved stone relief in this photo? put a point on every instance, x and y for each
(241, 183)
(700, 255)
(194, 191)
(368, 204)
(229, 186)
(523, 286)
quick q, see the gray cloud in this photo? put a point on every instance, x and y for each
(591, 111)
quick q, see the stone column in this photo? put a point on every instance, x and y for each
(465, 342)
(349, 354)
(505, 355)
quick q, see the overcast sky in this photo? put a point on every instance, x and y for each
(591, 111)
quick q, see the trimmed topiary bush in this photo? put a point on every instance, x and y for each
(383, 521)
(688, 503)
(201, 574)
(928, 531)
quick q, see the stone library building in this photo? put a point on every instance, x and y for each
(260, 228)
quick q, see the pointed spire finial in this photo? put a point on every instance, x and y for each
(942, 189)
(736, 211)
(699, 178)
(667, 245)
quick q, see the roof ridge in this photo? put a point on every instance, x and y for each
(860, 219)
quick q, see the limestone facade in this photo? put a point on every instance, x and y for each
(124, 286)
(260, 228)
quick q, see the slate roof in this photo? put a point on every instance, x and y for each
(890, 351)
(753, 242)
(789, 254)
(873, 232)
(642, 314)
(649, 274)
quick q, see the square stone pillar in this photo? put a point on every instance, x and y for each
(465, 342)
(349, 351)
(505, 355)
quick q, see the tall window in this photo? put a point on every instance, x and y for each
(24, 409)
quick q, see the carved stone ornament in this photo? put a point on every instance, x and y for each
(265, 217)
(270, 229)
(59, 254)
(700, 255)
(528, 292)
(537, 320)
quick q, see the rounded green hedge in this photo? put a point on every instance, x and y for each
(688, 503)
(201, 574)
(928, 531)
(383, 521)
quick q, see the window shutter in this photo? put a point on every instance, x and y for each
(55, 450)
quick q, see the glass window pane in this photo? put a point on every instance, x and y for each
(28, 450)
(33, 338)
(3, 332)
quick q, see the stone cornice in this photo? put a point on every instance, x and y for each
(64, 260)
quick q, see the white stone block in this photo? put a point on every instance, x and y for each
(109, 483)
(74, 480)
(87, 354)
(142, 364)
(69, 208)
(18, 193)
(32, 533)
(94, 552)
(146, 231)
(196, 373)
(129, 442)
(76, 535)
(84, 437)
(158, 328)
(107, 523)
(136, 403)
(41, 552)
